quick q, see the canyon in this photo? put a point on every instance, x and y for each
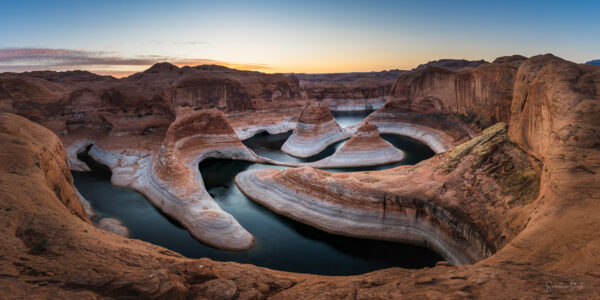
(509, 200)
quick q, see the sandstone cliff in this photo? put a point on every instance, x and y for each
(540, 241)
(536, 209)
(482, 94)
(349, 91)
(170, 179)
(142, 102)
(465, 203)
(49, 251)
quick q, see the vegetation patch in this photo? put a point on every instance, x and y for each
(523, 185)
(480, 146)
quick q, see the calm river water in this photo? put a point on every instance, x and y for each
(281, 243)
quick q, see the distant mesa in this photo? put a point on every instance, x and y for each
(452, 64)
(162, 67)
(349, 76)
(595, 62)
(509, 59)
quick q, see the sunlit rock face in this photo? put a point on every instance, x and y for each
(555, 117)
(316, 130)
(193, 133)
(176, 183)
(481, 94)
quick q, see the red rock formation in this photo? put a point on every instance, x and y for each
(193, 134)
(545, 226)
(364, 148)
(452, 64)
(555, 117)
(430, 203)
(142, 102)
(557, 246)
(316, 130)
(273, 121)
(175, 184)
(484, 92)
(349, 91)
(45, 166)
(437, 130)
(367, 136)
(167, 173)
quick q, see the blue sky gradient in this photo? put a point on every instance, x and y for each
(307, 36)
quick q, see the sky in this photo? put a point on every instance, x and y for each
(122, 37)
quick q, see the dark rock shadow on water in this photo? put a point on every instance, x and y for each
(97, 169)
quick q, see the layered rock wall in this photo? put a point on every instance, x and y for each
(482, 94)
(540, 242)
(429, 204)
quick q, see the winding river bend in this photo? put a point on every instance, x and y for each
(281, 243)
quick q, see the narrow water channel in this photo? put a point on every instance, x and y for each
(281, 243)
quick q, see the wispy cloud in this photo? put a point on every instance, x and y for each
(109, 63)
(165, 42)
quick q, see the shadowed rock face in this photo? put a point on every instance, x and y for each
(316, 130)
(143, 101)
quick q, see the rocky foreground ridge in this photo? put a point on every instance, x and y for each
(541, 241)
